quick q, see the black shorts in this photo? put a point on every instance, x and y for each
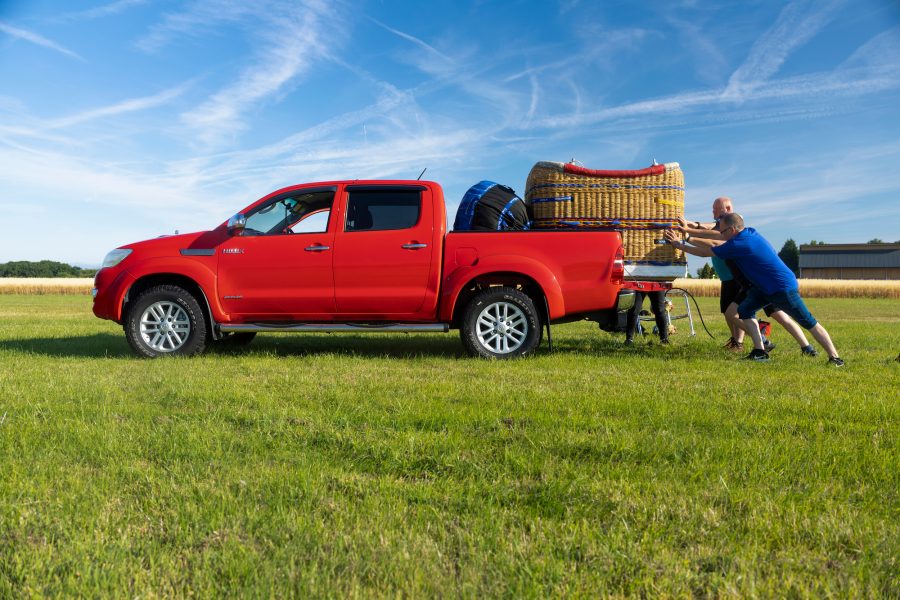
(731, 292)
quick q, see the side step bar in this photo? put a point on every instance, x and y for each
(340, 327)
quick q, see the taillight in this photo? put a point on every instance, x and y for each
(618, 270)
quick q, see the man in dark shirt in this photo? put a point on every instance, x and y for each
(773, 282)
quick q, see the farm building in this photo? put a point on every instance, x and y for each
(850, 261)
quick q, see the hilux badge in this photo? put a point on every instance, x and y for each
(232, 250)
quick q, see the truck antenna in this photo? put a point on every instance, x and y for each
(422, 173)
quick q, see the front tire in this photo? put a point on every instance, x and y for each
(165, 320)
(500, 322)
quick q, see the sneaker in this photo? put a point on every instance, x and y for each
(629, 342)
(768, 346)
(837, 362)
(758, 355)
(809, 351)
(734, 346)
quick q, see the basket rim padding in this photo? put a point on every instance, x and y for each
(574, 169)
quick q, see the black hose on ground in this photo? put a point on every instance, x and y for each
(697, 306)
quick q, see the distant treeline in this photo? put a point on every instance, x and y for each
(43, 268)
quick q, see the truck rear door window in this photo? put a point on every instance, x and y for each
(379, 210)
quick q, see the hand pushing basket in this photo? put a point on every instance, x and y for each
(641, 204)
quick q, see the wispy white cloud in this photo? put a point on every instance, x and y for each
(535, 96)
(785, 200)
(123, 107)
(796, 25)
(476, 108)
(255, 163)
(467, 71)
(418, 42)
(290, 42)
(91, 207)
(67, 175)
(883, 49)
(30, 36)
(543, 68)
(12, 137)
(197, 18)
(105, 10)
(846, 82)
(710, 65)
(34, 129)
(570, 81)
(600, 50)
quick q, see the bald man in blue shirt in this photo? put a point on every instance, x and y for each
(773, 282)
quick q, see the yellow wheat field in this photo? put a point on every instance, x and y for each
(810, 288)
(45, 285)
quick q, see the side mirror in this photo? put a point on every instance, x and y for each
(236, 224)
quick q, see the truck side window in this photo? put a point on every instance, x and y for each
(379, 210)
(299, 213)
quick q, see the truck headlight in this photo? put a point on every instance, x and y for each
(114, 257)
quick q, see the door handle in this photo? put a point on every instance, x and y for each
(317, 248)
(414, 246)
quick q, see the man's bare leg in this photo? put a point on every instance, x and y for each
(824, 339)
(751, 326)
(734, 323)
(790, 326)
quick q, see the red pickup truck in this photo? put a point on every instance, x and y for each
(361, 256)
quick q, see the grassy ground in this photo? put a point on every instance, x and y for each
(341, 466)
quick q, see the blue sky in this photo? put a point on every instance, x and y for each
(123, 120)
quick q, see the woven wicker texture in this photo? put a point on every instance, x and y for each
(640, 204)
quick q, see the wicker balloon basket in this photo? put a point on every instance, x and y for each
(641, 204)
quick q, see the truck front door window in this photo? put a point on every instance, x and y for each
(298, 213)
(316, 222)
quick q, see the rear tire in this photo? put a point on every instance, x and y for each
(165, 320)
(501, 322)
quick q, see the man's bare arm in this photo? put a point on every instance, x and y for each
(704, 242)
(695, 250)
(707, 234)
(692, 226)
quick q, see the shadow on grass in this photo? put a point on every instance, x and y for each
(434, 345)
(109, 345)
(94, 345)
(447, 346)
(103, 345)
(681, 347)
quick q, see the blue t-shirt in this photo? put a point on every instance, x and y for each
(759, 262)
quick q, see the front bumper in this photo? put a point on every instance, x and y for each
(110, 287)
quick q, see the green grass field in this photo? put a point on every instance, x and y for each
(359, 466)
